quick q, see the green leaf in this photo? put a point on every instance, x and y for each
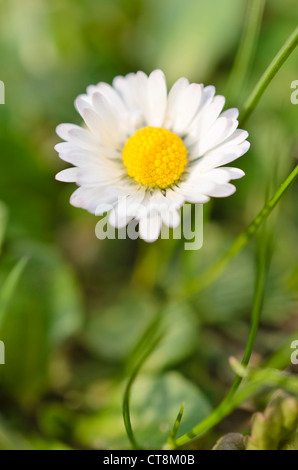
(154, 407)
(180, 340)
(114, 333)
(46, 310)
(154, 404)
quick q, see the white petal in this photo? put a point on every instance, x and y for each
(99, 128)
(118, 219)
(157, 98)
(174, 95)
(109, 118)
(234, 173)
(237, 137)
(219, 175)
(212, 112)
(149, 227)
(102, 157)
(62, 130)
(221, 157)
(208, 188)
(133, 88)
(82, 102)
(78, 157)
(171, 218)
(188, 102)
(125, 86)
(208, 94)
(206, 116)
(222, 190)
(216, 134)
(126, 209)
(231, 113)
(94, 175)
(89, 198)
(65, 147)
(175, 199)
(193, 195)
(77, 135)
(68, 176)
(112, 96)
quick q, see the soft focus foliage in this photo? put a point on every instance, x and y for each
(73, 309)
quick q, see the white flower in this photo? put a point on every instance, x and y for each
(150, 150)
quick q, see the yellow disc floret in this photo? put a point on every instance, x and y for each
(155, 157)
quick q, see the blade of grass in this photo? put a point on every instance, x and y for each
(267, 76)
(247, 46)
(256, 381)
(172, 437)
(263, 258)
(10, 285)
(145, 339)
(127, 393)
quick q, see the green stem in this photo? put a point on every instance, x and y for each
(246, 49)
(225, 406)
(261, 277)
(126, 397)
(196, 285)
(172, 437)
(126, 413)
(268, 75)
(258, 380)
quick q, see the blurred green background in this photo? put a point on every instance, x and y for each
(74, 308)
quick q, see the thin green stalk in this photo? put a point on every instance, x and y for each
(196, 285)
(225, 406)
(145, 339)
(261, 276)
(172, 437)
(257, 381)
(268, 75)
(247, 46)
(126, 397)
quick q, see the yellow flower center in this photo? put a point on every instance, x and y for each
(155, 157)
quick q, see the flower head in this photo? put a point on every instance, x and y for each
(154, 150)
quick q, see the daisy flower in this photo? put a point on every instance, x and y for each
(144, 152)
